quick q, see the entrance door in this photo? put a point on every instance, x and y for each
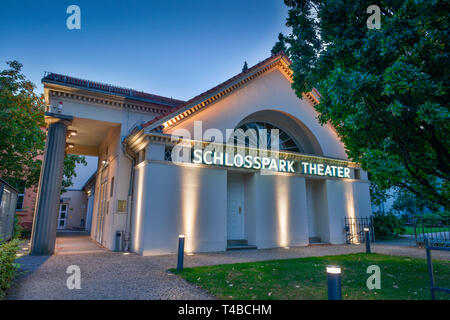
(235, 206)
(102, 207)
(62, 216)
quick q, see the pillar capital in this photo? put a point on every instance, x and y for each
(51, 117)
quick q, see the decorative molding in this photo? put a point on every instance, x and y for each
(142, 139)
(206, 101)
(101, 100)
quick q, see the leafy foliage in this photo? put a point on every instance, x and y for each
(384, 90)
(280, 45)
(22, 135)
(8, 267)
(387, 225)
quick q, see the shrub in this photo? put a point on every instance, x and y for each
(8, 267)
(387, 225)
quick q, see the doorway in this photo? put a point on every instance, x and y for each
(235, 207)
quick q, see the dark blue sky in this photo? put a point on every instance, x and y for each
(166, 47)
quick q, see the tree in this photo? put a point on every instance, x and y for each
(280, 45)
(384, 90)
(22, 138)
(245, 67)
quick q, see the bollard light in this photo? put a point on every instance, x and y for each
(367, 237)
(180, 252)
(334, 282)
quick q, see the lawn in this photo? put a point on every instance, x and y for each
(409, 230)
(305, 278)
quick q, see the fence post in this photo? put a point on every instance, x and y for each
(430, 267)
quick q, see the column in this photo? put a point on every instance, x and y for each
(47, 205)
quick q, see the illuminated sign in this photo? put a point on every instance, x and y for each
(268, 163)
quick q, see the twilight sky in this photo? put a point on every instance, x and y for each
(167, 47)
(171, 48)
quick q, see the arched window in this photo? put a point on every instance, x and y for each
(252, 137)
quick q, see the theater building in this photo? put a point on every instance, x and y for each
(165, 167)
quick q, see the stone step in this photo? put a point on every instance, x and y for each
(315, 240)
(241, 247)
(237, 242)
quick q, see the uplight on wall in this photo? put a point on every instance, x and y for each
(71, 133)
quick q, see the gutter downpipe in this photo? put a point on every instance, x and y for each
(127, 238)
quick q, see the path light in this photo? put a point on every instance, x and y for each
(367, 239)
(180, 252)
(334, 282)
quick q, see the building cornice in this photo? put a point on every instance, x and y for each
(142, 139)
(204, 100)
(53, 91)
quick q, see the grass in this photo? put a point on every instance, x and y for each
(409, 230)
(305, 278)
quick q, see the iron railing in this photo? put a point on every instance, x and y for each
(433, 287)
(436, 230)
(354, 229)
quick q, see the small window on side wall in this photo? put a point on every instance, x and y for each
(357, 174)
(19, 205)
(112, 188)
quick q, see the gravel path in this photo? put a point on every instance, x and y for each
(112, 275)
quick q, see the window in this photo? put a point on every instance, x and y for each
(19, 205)
(168, 153)
(112, 188)
(357, 174)
(252, 138)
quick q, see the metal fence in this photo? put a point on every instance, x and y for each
(8, 200)
(433, 287)
(436, 230)
(354, 229)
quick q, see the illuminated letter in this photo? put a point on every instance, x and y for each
(207, 154)
(256, 163)
(273, 165)
(328, 171)
(320, 169)
(241, 161)
(197, 156)
(305, 166)
(283, 165)
(312, 168)
(218, 156)
(226, 161)
(248, 161)
(346, 172)
(340, 172)
(334, 170)
(265, 162)
(290, 166)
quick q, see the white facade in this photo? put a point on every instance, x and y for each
(212, 204)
